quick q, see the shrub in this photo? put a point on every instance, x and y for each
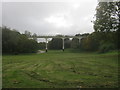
(105, 47)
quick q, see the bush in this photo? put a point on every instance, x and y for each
(14, 42)
(105, 47)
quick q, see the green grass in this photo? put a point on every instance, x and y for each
(57, 69)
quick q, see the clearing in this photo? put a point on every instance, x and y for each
(57, 69)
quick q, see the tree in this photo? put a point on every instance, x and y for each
(75, 42)
(67, 43)
(118, 24)
(42, 45)
(55, 43)
(105, 17)
(107, 24)
(89, 43)
(14, 42)
(9, 40)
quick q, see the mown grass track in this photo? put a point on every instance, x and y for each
(57, 69)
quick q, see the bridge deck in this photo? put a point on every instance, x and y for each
(59, 37)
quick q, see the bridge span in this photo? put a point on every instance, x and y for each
(59, 36)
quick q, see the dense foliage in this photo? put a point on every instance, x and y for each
(14, 42)
(57, 43)
(107, 28)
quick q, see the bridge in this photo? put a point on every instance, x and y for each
(58, 36)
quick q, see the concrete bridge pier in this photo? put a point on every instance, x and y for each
(63, 44)
(79, 40)
(46, 45)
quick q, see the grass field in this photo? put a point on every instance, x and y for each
(57, 69)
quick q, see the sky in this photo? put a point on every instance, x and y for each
(50, 17)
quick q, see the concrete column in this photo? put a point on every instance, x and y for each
(46, 45)
(79, 40)
(63, 44)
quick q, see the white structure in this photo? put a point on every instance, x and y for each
(62, 37)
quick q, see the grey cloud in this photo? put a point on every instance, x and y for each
(31, 16)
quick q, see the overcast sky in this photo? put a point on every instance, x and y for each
(49, 18)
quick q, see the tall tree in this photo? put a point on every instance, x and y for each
(107, 17)
(107, 22)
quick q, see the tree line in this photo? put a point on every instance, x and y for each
(14, 42)
(103, 39)
(106, 30)
(107, 26)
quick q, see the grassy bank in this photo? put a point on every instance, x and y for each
(57, 69)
